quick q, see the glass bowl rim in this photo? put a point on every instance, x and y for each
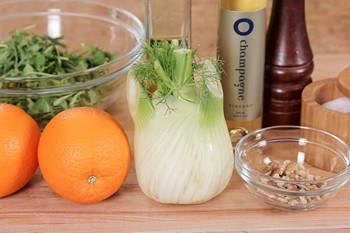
(243, 167)
(130, 56)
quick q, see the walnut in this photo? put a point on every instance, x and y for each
(295, 172)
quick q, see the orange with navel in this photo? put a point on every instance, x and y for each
(84, 155)
(19, 138)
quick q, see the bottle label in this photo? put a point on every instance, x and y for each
(242, 49)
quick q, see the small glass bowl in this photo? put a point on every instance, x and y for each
(292, 167)
(78, 22)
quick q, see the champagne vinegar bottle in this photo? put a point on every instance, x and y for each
(242, 26)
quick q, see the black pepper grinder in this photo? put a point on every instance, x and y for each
(289, 63)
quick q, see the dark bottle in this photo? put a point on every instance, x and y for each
(288, 63)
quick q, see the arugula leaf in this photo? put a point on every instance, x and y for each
(32, 56)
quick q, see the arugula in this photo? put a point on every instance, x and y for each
(41, 58)
(31, 55)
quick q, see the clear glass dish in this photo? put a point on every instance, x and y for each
(312, 166)
(78, 21)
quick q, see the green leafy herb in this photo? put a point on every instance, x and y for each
(42, 58)
(31, 55)
(171, 69)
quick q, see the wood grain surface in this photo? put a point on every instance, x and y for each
(36, 208)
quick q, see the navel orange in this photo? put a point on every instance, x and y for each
(19, 137)
(84, 155)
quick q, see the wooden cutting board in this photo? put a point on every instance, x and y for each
(37, 209)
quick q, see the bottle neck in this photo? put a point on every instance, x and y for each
(287, 38)
(168, 20)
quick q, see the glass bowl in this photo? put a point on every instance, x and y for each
(292, 167)
(78, 22)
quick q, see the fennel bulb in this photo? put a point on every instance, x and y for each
(182, 149)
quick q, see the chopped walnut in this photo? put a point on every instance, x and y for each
(294, 172)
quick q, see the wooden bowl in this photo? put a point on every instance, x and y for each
(314, 115)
